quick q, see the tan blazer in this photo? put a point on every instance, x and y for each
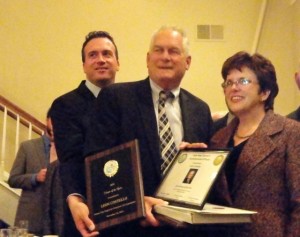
(267, 177)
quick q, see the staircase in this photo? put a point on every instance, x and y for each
(16, 126)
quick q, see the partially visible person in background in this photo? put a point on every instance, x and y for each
(296, 114)
(29, 173)
(221, 121)
(263, 170)
(54, 202)
(3, 224)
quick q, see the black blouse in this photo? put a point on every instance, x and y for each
(232, 160)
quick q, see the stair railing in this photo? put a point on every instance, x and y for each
(24, 127)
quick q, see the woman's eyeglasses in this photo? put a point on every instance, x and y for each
(241, 81)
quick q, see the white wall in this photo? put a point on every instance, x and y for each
(280, 42)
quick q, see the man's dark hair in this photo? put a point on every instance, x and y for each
(98, 34)
(263, 69)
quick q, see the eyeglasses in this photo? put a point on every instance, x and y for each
(242, 81)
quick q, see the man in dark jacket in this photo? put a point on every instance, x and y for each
(71, 112)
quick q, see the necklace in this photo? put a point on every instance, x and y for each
(242, 137)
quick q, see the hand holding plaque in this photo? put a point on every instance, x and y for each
(114, 185)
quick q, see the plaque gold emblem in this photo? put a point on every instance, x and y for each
(111, 168)
(182, 158)
(218, 160)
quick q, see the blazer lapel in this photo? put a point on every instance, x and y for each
(185, 113)
(147, 113)
(258, 148)
(254, 152)
(85, 92)
(39, 149)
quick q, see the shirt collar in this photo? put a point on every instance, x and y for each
(156, 89)
(94, 89)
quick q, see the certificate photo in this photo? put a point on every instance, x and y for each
(190, 176)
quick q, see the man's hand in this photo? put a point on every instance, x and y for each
(80, 214)
(149, 203)
(41, 176)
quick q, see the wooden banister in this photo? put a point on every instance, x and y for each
(25, 118)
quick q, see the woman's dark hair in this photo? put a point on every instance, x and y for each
(261, 66)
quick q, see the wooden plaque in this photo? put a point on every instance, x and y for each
(114, 185)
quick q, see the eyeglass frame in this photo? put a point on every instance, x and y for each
(241, 81)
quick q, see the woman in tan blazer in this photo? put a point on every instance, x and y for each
(263, 170)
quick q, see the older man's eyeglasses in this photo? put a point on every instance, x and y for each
(242, 81)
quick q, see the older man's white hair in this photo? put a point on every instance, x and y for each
(185, 40)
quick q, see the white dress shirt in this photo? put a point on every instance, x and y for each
(94, 89)
(173, 111)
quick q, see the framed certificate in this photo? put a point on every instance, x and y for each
(114, 185)
(190, 177)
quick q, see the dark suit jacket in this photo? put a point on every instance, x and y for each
(124, 112)
(69, 114)
(70, 118)
(295, 115)
(267, 177)
(30, 159)
(54, 202)
(220, 123)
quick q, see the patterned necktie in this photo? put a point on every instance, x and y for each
(167, 144)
